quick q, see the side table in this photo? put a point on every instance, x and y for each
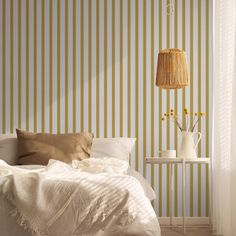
(183, 162)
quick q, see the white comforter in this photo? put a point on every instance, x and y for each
(96, 195)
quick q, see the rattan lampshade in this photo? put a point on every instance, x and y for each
(172, 69)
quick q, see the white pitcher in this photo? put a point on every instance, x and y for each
(188, 147)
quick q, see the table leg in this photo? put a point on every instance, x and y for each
(183, 194)
(210, 192)
(171, 195)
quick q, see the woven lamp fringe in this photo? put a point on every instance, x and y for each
(172, 69)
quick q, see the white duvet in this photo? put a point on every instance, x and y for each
(91, 197)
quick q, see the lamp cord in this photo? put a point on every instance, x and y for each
(170, 8)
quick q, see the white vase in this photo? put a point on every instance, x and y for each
(188, 147)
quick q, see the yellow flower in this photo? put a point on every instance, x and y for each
(171, 113)
(186, 109)
(162, 118)
(196, 114)
(165, 114)
(202, 113)
(171, 110)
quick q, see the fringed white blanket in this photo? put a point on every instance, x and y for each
(96, 193)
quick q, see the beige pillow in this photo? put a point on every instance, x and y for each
(8, 148)
(39, 148)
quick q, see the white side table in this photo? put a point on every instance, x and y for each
(172, 161)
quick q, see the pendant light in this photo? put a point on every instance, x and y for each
(172, 68)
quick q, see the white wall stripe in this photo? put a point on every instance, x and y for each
(46, 64)
(8, 62)
(70, 66)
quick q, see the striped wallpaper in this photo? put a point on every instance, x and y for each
(72, 65)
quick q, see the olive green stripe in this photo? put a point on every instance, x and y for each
(136, 85)
(152, 94)
(74, 66)
(191, 99)
(27, 65)
(3, 66)
(42, 68)
(97, 71)
(19, 64)
(58, 67)
(12, 67)
(207, 105)
(199, 107)
(121, 68)
(66, 66)
(113, 69)
(144, 85)
(105, 68)
(35, 66)
(152, 91)
(129, 67)
(82, 64)
(90, 65)
(160, 113)
(50, 66)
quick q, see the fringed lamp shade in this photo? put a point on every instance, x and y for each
(172, 69)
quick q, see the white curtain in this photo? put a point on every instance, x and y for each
(224, 118)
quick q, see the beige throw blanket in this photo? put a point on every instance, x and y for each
(102, 195)
(37, 195)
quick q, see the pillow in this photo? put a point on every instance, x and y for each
(119, 148)
(8, 148)
(39, 148)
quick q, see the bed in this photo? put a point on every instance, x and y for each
(138, 219)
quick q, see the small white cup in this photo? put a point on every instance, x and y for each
(168, 154)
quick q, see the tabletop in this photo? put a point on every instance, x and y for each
(199, 160)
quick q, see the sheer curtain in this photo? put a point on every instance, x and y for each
(224, 118)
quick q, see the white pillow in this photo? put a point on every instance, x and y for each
(119, 148)
(8, 148)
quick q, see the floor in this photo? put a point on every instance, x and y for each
(204, 231)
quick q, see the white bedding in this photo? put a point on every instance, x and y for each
(149, 192)
(113, 203)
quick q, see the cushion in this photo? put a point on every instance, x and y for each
(119, 148)
(8, 148)
(39, 148)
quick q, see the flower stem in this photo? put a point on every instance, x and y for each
(195, 124)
